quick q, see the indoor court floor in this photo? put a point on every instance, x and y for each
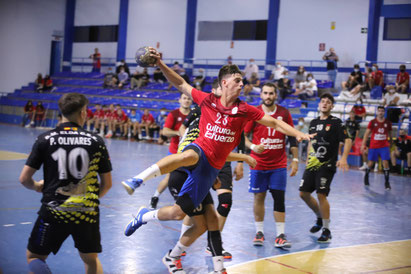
(371, 228)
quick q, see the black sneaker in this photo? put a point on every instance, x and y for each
(318, 225)
(227, 255)
(259, 239)
(325, 236)
(366, 181)
(153, 202)
(387, 186)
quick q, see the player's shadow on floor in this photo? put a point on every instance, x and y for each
(380, 198)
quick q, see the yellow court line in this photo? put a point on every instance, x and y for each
(390, 257)
(10, 155)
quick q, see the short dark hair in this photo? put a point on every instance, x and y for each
(215, 84)
(271, 85)
(356, 66)
(227, 70)
(71, 103)
(329, 96)
(381, 107)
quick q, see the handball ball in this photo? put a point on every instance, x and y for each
(143, 57)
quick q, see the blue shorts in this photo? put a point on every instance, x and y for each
(262, 180)
(383, 152)
(200, 178)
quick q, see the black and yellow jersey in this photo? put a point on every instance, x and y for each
(71, 158)
(324, 146)
(191, 122)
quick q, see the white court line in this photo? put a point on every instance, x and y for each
(110, 215)
(7, 225)
(25, 223)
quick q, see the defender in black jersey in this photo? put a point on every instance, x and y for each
(71, 158)
(322, 162)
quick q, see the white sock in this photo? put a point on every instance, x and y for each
(149, 173)
(218, 262)
(184, 228)
(177, 250)
(150, 216)
(156, 194)
(280, 228)
(326, 223)
(259, 226)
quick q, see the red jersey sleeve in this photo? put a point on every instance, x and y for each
(198, 96)
(370, 125)
(254, 113)
(249, 127)
(169, 121)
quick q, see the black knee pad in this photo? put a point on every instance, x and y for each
(279, 199)
(224, 203)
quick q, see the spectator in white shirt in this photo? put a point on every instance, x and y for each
(250, 68)
(278, 72)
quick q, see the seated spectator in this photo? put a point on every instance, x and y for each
(160, 121)
(48, 84)
(89, 119)
(249, 69)
(365, 86)
(183, 74)
(284, 86)
(402, 151)
(199, 80)
(121, 122)
(134, 122)
(300, 76)
(253, 85)
(403, 80)
(306, 89)
(106, 112)
(28, 113)
(278, 72)
(354, 79)
(98, 117)
(359, 110)
(158, 76)
(177, 68)
(110, 116)
(391, 101)
(139, 79)
(40, 112)
(122, 78)
(39, 83)
(377, 77)
(147, 121)
(122, 64)
(110, 79)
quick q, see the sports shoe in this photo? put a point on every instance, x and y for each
(376, 168)
(184, 253)
(366, 181)
(259, 239)
(173, 264)
(222, 271)
(131, 184)
(227, 255)
(318, 225)
(153, 202)
(325, 236)
(281, 241)
(387, 186)
(135, 223)
(363, 167)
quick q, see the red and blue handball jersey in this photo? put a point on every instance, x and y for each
(173, 121)
(221, 127)
(274, 155)
(379, 133)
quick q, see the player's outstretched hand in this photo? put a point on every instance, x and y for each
(304, 136)
(251, 161)
(343, 165)
(155, 54)
(38, 186)
(257, 148)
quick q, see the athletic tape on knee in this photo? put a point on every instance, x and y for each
(39, 266)
(224, 203)
(279, 200)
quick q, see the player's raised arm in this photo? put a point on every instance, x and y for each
(284, 128)
(176, 80)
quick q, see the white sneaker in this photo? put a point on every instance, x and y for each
(376, 168)
(363, 167)
(173, 264)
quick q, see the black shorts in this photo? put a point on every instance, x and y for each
(226, 176)
(48, 235)
(187, 205)
(319, 180)
(175, 183)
